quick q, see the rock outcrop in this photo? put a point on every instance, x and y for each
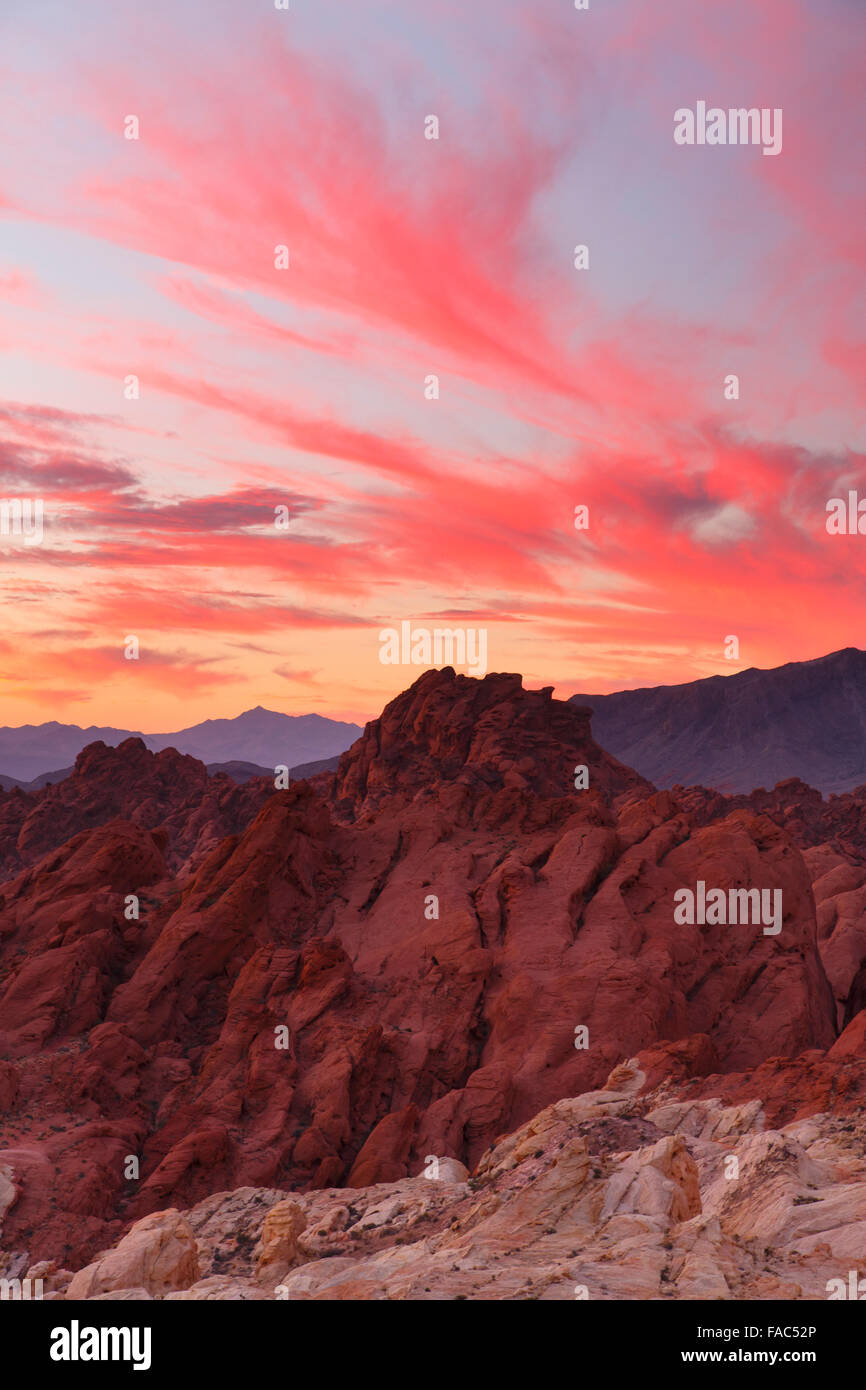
(627, 1193)
(319, 989)
(168, 790)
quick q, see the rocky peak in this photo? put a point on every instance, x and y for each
(491, 733)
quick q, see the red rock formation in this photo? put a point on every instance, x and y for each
(637, 1190)
(838, 821)
(383, 963)
(167, 789)
(790, 1088)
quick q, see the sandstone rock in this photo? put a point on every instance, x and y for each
(220, 1288)
(138, 1295)
(8, 1190)
(851, 1043)
(384, 1157)
(660, 1182)
(8, 1086)
(409, 1031)
(54, 1280)
(280, 1251)
(159, 1254)
(544, 1215)
(445, 1170)
(168, 792)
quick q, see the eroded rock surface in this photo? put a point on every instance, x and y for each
(323, 987)
(699, 1200)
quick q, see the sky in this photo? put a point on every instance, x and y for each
(168, 384)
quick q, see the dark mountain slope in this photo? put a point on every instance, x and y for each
(806, 719)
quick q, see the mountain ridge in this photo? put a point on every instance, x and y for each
(752, 729)
(262, 737)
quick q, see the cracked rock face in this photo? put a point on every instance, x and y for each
(439, 945)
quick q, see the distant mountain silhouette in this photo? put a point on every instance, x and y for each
(806, 719)
(258, 736)
(238, 771)
(35, 784)
(318, 765)
(244, 772)
(261, 736)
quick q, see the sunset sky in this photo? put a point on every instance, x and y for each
(304, 386)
